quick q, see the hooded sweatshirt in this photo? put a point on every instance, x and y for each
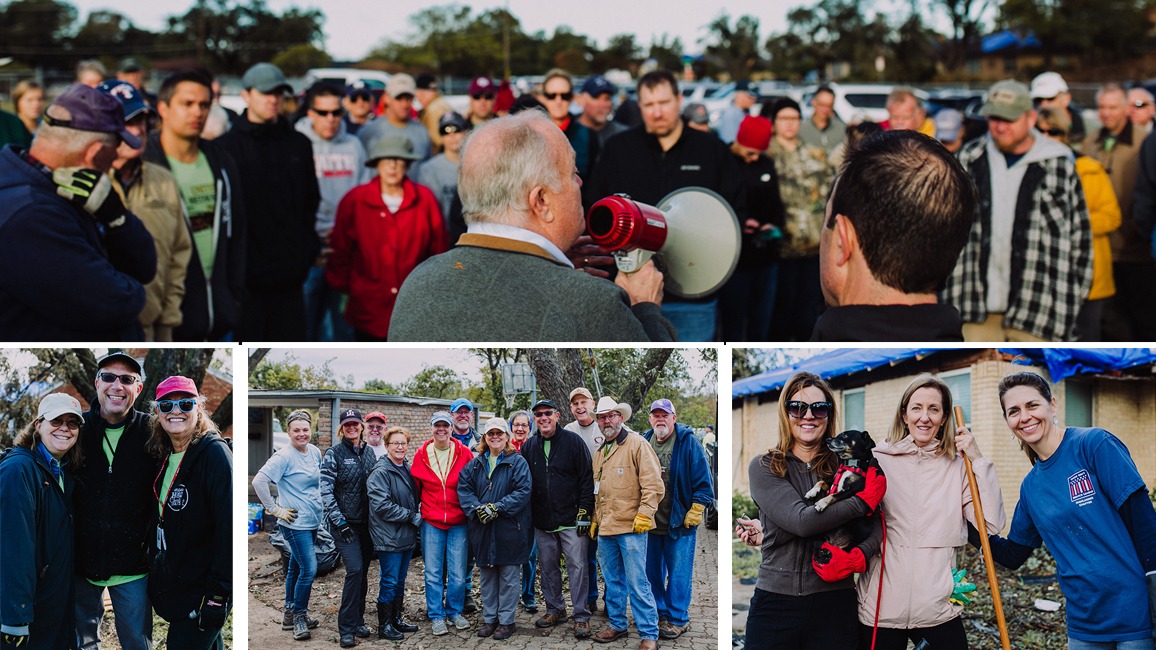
(340, 167)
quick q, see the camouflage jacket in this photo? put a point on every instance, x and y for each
(805, 178)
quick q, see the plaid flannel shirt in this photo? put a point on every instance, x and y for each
(1051, 268)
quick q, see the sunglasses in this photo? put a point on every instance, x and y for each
(544, 414)
(73, 425)
(112, 377)
(185, 405)
(337, 112)
(1055, 133)
(819, 410)
(553, 96)
(360, 97)
(483, 96)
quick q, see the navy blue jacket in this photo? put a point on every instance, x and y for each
(690, 480)
(54, 256)
(36, 547)
(505, 540)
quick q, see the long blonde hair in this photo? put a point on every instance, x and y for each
(946, 434)
(159, 443)
(825, 460)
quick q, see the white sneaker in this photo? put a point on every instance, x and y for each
(460, 622)
(439, 627)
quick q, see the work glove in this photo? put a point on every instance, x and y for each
(841, 563)
(693, 516)
(14, 641)
(962, 588)
(642, 523)
(486, 513)
(875, 486)
(92, 191)
(345, 531)
(594, 530)
(211, 615)
(583, 522)
(287, 515)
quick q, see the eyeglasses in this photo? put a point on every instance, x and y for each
(73, 425)
(819, 410)
(112, 377)
(544, 414)
(496, 433)
(553, 96)
(375, 427)
(488, 96)
(166, 405)
(337, 112)
(1140, 103)
(1055, 133)
(399, 443)
(608, 416)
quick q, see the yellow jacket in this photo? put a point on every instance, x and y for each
(627, 482)
(1104, 213)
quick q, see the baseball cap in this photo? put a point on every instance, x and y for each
(746, 87)
(427, 81)
(662, 405)
(598, 85)
(177, 384)
(440, 416)
(376, 414)
(130, 64)
(1007, 100)
(460, 402)
(358, 87)
(948, 124)
(481, 85)
(400, 84)
(58, 404)
(351, 415)
(754, 133)
(696, 113)
(496, 423)
(581, 390)
(1047, 85)
(544, 402)
(453, 122)
(122, 357)
(90, 110)
(266, 78)
(129, 97)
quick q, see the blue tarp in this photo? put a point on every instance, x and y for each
(1067, 362)
(827, 365)
(997, 41)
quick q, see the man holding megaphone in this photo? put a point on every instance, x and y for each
(521, 198)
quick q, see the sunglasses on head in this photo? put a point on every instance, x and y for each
(185, 405)
(552, 96)
(337, 112)
(819, 410)
(483, 96)
(112, 377)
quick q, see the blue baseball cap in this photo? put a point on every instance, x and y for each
(133, 102)
(597, 85)
(662, 405)
(460, 402)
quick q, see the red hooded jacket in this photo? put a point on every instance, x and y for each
(439, 501)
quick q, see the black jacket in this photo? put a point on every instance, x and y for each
(344, 469)
(393, 501)
(563, 484)
(280, 197)
(507, 539)
(114, 505)
(36, 579)
(197, 526)
(765, 205)
(212, 309)
(935, 322)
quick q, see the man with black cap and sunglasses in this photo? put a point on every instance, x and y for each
(65, 235)
(432, 107)
(111, 509)
(358, 104)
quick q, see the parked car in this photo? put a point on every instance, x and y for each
(340, 77)
(858, 102)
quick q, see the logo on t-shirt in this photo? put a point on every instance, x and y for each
(1080, 487)
(178, 498)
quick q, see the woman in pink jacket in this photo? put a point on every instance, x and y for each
(926, 510)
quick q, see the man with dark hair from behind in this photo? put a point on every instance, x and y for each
(898, 192)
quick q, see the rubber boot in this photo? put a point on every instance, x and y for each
(399, 623)
(385, 629)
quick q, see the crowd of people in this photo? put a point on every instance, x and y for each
(311, 217)
(517, 498)
(135, 502)
(1083, 497)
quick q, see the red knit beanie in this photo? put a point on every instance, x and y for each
(755, 133)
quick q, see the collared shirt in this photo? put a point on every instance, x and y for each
(521, 234)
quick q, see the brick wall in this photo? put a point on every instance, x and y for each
(413, 417)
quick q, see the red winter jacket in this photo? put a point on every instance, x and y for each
(374, 250)
(439, 501)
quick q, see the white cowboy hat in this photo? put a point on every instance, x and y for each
(607, 404)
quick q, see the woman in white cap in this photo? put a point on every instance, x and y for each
(36, 519)
(296, 469)
(383, 230)
(191, 555)
(494, 492)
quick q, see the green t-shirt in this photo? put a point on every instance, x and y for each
(493, 463)
(664, 450)
(167, 481)
(199, 193)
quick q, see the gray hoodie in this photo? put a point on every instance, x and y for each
(340, 166)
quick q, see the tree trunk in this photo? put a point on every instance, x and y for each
(255, 357)
(558, 372)
(652, 364)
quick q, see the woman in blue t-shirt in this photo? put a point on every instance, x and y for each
(1085, 499)
(296, 470)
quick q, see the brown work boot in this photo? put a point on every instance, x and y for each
(550, 619)
(582, 630)
(648, 644)
(504, 632)
(668, 630)
(610, 634)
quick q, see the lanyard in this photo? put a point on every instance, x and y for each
(160, 475)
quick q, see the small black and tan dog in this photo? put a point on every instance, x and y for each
(855, 457)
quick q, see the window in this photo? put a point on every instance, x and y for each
(1078, 403)
(853, 416)
(959, 381)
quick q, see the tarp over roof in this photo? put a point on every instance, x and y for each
(828, 365)
(1067, 362)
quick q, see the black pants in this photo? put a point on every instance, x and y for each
(1130, 315)
(822, 621)
(185, 635)
(274, 315)
(356, 557)
(798, 300)
(945, 636)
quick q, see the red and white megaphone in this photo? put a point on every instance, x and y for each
(693, 230)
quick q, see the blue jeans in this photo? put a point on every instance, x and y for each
(695, 321)
(131, 611)
(623, 560)
(529, 570)
(669, 567)
(1137, 644)
(302, 568)
(444, 553)
(394, 569)
(323, 318)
